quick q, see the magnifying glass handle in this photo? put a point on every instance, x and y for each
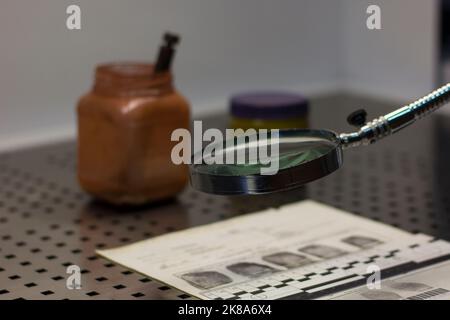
(397, 120)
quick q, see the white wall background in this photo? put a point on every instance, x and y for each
(400, 61)
(227, 46)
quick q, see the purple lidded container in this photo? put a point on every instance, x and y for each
(269, 110)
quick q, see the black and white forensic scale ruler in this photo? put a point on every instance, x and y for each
(327, 277)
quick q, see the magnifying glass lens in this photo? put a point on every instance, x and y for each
(288, 151)
(257, 165)
(294, 153)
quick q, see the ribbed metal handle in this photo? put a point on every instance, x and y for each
(397, 120)
(431, 102)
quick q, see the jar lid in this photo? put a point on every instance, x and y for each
(268, 105)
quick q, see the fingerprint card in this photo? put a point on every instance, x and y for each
(304, 250)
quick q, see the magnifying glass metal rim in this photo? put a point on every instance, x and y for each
(284, 179)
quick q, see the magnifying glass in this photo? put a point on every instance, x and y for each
(301, 156)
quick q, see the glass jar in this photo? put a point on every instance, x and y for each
(124, 135)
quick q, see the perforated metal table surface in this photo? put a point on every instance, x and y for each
(47, 223)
